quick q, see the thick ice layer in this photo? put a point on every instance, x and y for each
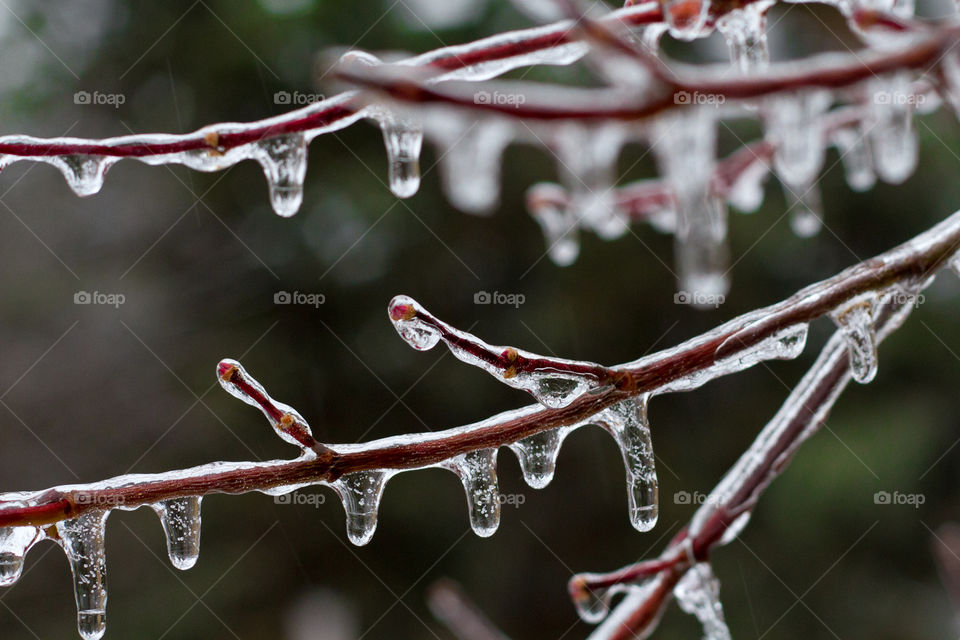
(698, 593)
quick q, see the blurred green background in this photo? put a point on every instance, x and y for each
(90, 392)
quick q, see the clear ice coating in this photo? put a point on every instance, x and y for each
(794, 126)
(892, 138)
(745, 31)
(851, 143)
(360, 493)
(551, 388)
(284, 162)
(855, 320)
(685, 149)
(470, 155)
(290, 414)
(559, 224)
(593, 604)
(587, 157)
(698, 593)
(180, 518)
(14, 544)
(478, 473)
(805, 207)
(538, 456)
(82, 541)
(627, 423)
(686, 19)
(402, 139)
(84, 173)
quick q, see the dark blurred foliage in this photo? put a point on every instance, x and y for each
(91, 392)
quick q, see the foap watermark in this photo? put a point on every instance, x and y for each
(900, 297)
(899, 98)
(512, 299)
(98, 98)
(499, 98)
(295, 497)
(512, 499)
(697, 498)
(696, 97)
(297, 97)
(897, 498)
(98, 297)
(299, 297)
(98, 499)
(699, 299)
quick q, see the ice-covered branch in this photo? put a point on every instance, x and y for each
(861, 300)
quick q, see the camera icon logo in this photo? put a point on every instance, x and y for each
(682, 97)
(282, 297)
(82, 297)
(282, 97)
(81, 97)
(881, 497)
(482, 97)
(286, 498)
(681, 297)
(883, 97)
(482, 297)
(682, 497)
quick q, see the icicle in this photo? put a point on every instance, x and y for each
(855, 319)
(805, 207)
(14, 544)
(360, 493)
(538, 456)
(470, 157)
(735, 528)
(685, 150)
(686, 19)
(478, 473)
(785, 344)
(854, 153)
(403, 139)
(284, 162)
(180, 518)
(892, 138)
(84, 173)
(794, 125)
(746, 193)
(82, 541)
(559, 225)
(588, 161)
(698, 593)
(746, 35)
(593, 604)
(627, 423)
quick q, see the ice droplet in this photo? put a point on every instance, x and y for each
(592, 604)
(559, 225)
(745, 31)
(84, 173)
(686, 19)
(284, 162)
(627, 423)
(587, 161)
(180, 518)
(698, 593)
(403, 139)
(82, 541)
(794, 125)
(855, 320)
(892, 137)
(538, 456)
(855, 155)
(685, 153)
(746, 193)
(360, 493)
(805, 207)
(402, 311)
(14, 544)
(470, 156)
(478, 473)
